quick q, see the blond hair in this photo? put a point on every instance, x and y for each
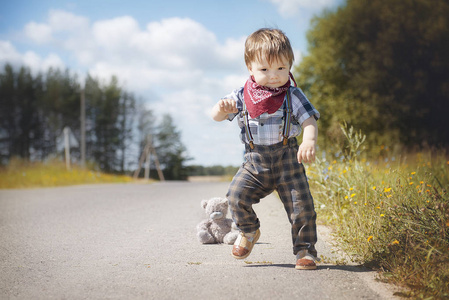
(269, 44)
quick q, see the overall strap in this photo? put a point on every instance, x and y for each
(249, 136)
(287, 120)
(287, 117)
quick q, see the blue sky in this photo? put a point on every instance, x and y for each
(179, 56)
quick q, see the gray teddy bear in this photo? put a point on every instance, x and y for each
(216, 228)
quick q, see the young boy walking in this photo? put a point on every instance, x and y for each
(271, 114)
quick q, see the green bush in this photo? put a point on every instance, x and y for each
(392, 215)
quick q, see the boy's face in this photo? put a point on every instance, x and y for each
(273, 76)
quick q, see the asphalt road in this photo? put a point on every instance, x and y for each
(137, 241)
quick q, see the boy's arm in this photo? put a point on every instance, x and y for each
(224, 107)
(307, 149)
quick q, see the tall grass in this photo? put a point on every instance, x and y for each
(391, 214)
(22, 174)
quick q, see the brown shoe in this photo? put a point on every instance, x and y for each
(305, 261)
(244, 244)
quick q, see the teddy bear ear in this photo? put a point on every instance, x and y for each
(203, 203)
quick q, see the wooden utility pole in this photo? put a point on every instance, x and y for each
(67, 147)
(83, 129)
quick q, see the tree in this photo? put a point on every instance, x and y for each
(8, 126)
(59, 107)
(381, 66)
(104, 110)
(127, 109)
(19, 98)
(34, 109)
(170, 150)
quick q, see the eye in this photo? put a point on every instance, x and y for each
(263, 70)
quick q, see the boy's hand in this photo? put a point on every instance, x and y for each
(306, 151)
(228, 106)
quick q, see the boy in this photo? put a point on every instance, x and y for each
(271, 114)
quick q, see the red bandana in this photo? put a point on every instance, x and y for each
(260, 99)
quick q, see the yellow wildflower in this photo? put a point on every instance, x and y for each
(370, 238)
(413, 173)
(387, 190)
(395, 242)
(352, 195)
(351, 189)
(412, 183)
(355, 202)
(382, 215)
(374, 188)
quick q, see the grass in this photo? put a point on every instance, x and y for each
(20, 174)
(391, 215)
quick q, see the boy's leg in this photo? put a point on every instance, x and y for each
(294, 192)
(251, 183)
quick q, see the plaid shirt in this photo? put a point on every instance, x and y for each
(267, 128)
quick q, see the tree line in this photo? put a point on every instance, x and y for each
(36, 108)
(381, 66)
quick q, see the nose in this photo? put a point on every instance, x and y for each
(216, 215)
(273, 75)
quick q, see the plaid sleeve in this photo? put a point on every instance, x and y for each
(302, 108)
(237, 95)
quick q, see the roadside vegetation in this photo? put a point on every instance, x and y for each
(390, 214)
(22, 174)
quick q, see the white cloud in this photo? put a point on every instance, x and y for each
(62, 21)
(38, 64)
(9, 54)
(115, 34)
(32, 60)
(39, 33)
(289, 8)
(52, 61)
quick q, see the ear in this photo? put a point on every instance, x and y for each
(203, 203)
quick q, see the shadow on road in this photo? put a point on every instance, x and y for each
(354, 269)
